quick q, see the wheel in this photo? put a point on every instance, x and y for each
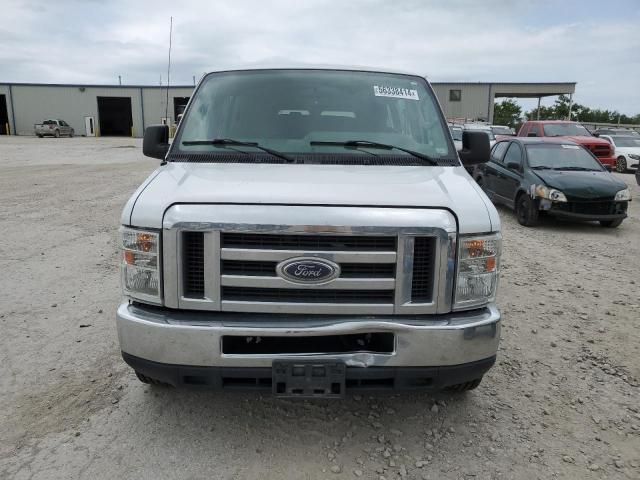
(150, 381)
(621, 165)
(464, 387)
(526, 211)
(611, 223)
(39, 136)
(71, 133)
(56, 134)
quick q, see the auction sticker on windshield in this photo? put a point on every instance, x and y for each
(395, 92)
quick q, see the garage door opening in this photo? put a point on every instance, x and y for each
(114, 116)
(4, 116)
(179, 104)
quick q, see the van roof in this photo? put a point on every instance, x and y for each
(308, 66)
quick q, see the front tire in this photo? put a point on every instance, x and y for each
(71, 133)
(611, 223)
(526, 211)
(39, 136)
(150, 381)
(621, 165)
(56, 134)
(464, 387)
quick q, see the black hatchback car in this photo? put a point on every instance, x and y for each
(554, 176)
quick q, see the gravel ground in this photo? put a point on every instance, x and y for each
(562, 402)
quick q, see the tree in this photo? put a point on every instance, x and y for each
(560, 111)
(507, 112)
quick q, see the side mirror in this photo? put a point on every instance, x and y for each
(513, 166)
(475, 148)
(156, 141)
(595, 134)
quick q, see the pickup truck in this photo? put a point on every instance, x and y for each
(310, 232)
(54, 128)
(573, 131)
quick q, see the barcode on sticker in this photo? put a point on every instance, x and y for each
(395, 92)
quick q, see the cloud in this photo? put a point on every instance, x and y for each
(497, 40)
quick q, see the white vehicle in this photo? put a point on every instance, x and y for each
(503, 130)
(482, 127)
(308, 232)
(627, 151)
(456, 134)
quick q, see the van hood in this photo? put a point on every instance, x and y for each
(587, 185)
(449, 188)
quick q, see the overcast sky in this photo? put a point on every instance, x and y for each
(594, 43)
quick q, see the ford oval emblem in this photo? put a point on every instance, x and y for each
(308, 270)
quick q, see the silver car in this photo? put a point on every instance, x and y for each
(53, 127)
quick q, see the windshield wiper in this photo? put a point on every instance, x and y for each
(578, 169)
(384, 146)
(229, 142)
(542, 167)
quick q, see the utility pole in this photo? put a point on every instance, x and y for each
(166, 106)
(119, 80)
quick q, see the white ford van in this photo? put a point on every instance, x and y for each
(311, 232)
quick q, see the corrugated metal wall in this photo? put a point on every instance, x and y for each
(155, 100)
(474, 102)
(33, 104)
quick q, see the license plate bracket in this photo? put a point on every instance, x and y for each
(308, 379)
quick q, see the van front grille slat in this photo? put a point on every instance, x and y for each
(193, 264)
(423, 263)
(308, 242)
(282, 295)
(347, 270)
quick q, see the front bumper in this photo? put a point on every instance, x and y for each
(596, 212)
(585, 217)
(260, 378)
(195, 338)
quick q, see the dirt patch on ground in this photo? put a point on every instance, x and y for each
(562, 401)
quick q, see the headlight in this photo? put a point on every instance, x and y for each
(478, 263)
(552, 194)
(635, 157)
(140, 264)
(623, 195)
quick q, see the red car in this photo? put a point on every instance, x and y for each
(573, 131)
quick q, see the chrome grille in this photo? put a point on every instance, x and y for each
(600, 150)
(249, 260)
(392, 261)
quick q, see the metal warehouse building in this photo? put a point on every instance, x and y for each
(121, 110)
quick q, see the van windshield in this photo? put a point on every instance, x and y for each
(315, 112)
